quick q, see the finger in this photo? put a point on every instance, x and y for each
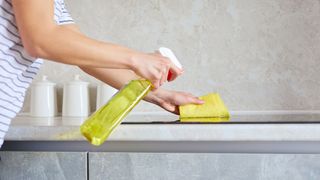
(165, 74)
(157, 53)
(169, 107)
(176, 110)
(195, 100)
(188, 94)
(180, 100)
(162, 81)
(175, 72)
(162, 77)
(156, 84)
(184, 99)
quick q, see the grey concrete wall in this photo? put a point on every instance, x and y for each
(259, 55)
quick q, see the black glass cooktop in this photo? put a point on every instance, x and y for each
(236, 118)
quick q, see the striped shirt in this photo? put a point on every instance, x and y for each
(17, 67)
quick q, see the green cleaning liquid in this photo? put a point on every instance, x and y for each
(100, 125)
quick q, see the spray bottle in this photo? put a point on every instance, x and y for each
(101, 124)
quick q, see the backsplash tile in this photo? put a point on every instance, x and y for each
(259, 55)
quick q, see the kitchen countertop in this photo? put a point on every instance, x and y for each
(165, 127)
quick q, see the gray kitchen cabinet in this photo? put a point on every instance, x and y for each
(185, 166)
(43, 165)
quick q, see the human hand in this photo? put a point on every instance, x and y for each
(171, 100)
(155, 68)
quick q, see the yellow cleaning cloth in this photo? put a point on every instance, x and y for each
(213, 110)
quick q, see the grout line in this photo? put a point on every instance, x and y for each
(88, 166)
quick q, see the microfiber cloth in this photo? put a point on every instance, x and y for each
(213, 110)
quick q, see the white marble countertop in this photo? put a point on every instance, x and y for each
(26, 128)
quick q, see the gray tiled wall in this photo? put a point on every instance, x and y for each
(259, 55)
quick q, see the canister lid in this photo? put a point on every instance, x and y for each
(77, 81)
(44, 82)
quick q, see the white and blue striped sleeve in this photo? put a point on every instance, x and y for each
(61, 13)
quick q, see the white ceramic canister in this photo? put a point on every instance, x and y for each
(43, 102)
(104, 94)
(76, 101)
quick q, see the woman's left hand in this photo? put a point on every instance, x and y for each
(171, 100)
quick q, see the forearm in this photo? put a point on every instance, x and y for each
(116, 78)
(89, 52)
(168, 100)
(69, 47)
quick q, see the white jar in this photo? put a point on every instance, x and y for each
(76, 98)
(104, 94)
(43, 102)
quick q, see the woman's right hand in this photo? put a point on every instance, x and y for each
(154, 67)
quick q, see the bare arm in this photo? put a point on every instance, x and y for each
(43, 38)
(66, 44)
(116, 78)
(106, 75)
(168, 100)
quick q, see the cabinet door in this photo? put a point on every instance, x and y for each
(185, 166)
(43, 165)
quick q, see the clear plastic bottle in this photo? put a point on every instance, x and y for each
(100, 125)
